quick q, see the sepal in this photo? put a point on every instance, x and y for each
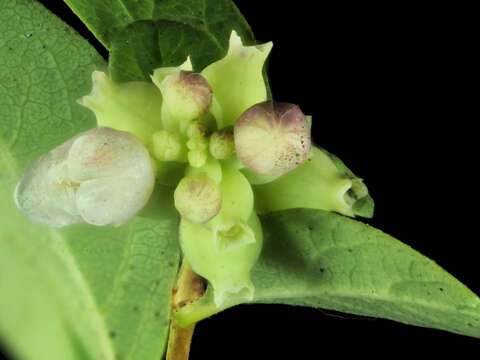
(134, 107)
(237, 80)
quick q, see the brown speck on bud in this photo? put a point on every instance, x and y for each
(272, 138)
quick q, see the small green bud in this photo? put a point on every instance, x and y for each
(100, 177)
(198, 198)
(197, 143)
(272, 138)
(222, 145)
(197, 157)
(167, 146)
(195, 129)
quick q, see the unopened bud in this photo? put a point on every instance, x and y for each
(197, 143)
(168, 146)
(197, 158)
(198, 198)
(100, 177)
(186, 96)
(272, 138)
(195, 129)
(222, 145)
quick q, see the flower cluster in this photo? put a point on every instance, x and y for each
(215, 138)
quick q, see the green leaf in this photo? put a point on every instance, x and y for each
(130, 271)
(324, 260)
(47, 311)
(44, 68)
(80, 292)
(147, 35)
(143, 46)
(210, 17)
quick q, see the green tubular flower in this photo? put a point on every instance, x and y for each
(100, 177)
(236, 80)
(224, 249)
(317, 184)
(229, 227)
(228, 271)
(134, 107)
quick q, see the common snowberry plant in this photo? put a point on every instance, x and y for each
(189, 161)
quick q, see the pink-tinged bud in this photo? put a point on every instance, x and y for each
(186, 96)
(198, 198)
(272, 138)
(194, 86)
(101, 177)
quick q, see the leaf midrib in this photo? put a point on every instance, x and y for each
(71, 264)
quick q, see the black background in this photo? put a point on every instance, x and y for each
(389, 89)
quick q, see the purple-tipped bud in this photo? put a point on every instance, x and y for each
(198, 89)
(186, 94)
(272, 138)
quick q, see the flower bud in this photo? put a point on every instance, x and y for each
(197, 143)
(198, 198)
(196, 129)
(168, 146)
(187, 92)
(197, 157)
(186, 96)
(222, 145)
(272, 138)
(102, 176)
